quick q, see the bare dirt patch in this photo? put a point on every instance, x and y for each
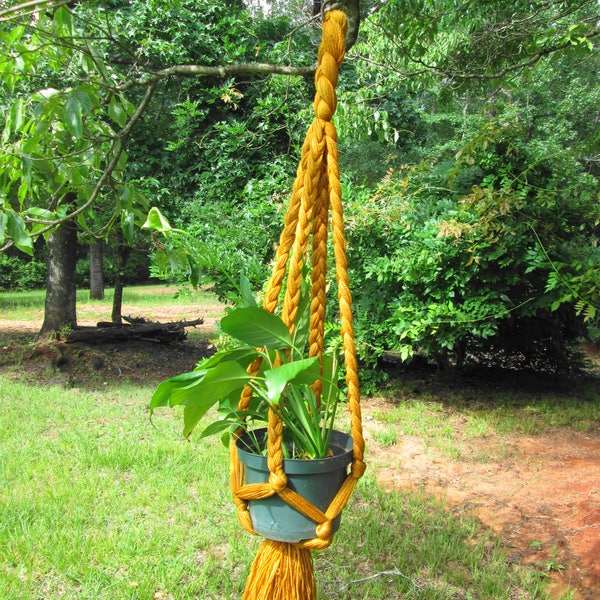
(539, 493)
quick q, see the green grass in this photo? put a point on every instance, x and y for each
(27, 305)
(477, 412)
(96, 503)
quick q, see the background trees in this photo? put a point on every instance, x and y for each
(468, 135)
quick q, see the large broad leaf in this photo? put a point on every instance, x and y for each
(15, 227)
(218, 382)
(300, 372)
(191, 417)
(257, 327)
(242, 356)
(163, 392)
(225, 379)
(156, 222)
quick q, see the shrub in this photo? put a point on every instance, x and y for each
(510, 265)
(21, 273)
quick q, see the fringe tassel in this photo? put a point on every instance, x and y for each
(281, 571)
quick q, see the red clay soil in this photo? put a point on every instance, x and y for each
(540, 494)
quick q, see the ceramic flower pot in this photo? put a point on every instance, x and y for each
(318, 481)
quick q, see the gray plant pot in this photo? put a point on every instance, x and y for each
(316, 480)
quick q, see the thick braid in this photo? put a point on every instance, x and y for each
(319, 272)
(345, 303)
(331, 55)
(312, 174)
(286, 240)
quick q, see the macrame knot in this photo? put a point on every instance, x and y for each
(277, 481)
(324, 531)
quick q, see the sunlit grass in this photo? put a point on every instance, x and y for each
(137, 300)
(97, 503)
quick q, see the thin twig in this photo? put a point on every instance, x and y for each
(394, 573)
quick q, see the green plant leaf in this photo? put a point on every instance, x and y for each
(3, 221)
(191, 417)
(246, 292)
(127, 226)
(218, 382)
(156, 222)
(117, 113)
(257, 327)
(72, 116)
(194, 272)
(163, 392)
(224, 379)
(243, 356)
(15, 227)
(300, 372)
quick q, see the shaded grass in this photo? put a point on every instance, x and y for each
(97, 503)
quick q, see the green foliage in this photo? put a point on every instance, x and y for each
(224, 237)
(514, 261)
(19, 274)
(429, 41)
(282, 384)
(65, 125)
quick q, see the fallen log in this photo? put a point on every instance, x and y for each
(149, 332)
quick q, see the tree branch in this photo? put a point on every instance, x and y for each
(13, 12)
(451, 74)
(118, 148)
(205, 71)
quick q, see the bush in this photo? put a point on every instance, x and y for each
(21, 273)
(511, 264)
(228, 237)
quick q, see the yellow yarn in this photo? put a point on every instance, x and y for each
(283, 570)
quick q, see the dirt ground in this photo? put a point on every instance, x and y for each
(540, 494)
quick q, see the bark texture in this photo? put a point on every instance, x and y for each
(97, 270)
(123, 253)
(60, 309)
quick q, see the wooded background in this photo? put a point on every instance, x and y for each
(469, 141)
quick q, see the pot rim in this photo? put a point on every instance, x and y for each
(341, 446)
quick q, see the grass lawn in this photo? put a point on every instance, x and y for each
(97, 503)
(21, 306)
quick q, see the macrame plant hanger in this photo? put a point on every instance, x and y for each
(281, 570)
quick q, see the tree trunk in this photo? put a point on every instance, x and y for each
(123, 253)
(96, 270)
(60, 309)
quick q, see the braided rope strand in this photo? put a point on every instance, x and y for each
(316, 194)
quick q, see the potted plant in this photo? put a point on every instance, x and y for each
(316, 457)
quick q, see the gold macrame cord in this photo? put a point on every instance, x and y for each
(284, 571)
